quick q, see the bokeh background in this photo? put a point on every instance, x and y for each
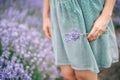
(26, 53)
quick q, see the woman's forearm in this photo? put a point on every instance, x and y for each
(108, 8)
(46, 9)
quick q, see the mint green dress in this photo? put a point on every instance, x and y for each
(71, 21)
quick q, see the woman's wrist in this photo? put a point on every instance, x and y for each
(46, 15)
(106, 15)
(108, 8)
(45, 18)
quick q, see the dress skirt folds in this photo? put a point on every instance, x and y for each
(71, 21)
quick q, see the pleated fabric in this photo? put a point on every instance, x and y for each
(71, 20)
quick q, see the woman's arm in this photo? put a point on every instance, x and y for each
(108, 8)
(46, 9)
(101, 22)
(46, 18)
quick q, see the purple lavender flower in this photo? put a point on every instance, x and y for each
(74, 35)
(12, 71)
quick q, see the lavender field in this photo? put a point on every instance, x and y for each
(25, 52)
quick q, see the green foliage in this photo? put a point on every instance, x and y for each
(36, 75)
(0, 49)
(31, 13)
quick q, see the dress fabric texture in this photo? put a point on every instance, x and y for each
(70, 21)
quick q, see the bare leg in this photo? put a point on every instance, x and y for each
(67, 72)
(85, 75)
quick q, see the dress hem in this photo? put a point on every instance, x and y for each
(88, 68)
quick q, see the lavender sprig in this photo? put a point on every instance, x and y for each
(74, 35)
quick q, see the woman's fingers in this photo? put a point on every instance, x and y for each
(91, 34)
(47, 32)
(95, 33)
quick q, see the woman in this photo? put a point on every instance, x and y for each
(82, 34)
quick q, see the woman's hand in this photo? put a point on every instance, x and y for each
(102, 21)
(99, 27)
(46, 27)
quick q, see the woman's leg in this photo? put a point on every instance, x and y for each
(85, 75)
(67, 72)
